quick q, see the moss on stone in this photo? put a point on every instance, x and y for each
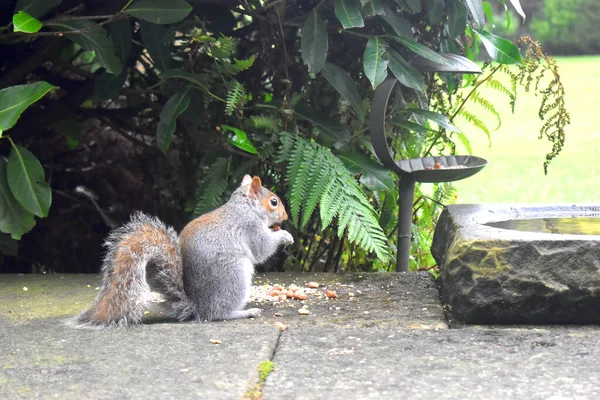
(484, 258)
(27, 297)
(264, 369)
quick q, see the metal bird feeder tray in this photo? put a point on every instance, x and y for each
(425, 169)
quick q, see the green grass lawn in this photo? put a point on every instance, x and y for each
(515, 171)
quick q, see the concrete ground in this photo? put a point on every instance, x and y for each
(385, 336)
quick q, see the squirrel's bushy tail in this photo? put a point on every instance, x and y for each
(144, 246)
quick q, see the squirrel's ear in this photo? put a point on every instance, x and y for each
(255, 188)
(246, 181)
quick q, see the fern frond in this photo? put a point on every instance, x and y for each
(316, 176)
(472, 118)
(487, 105)
(230, 69)
(500, 87)
(294, 170)
(242, 65)
(213, 187)
(302, 178)
(236, 97)
(465, 141)
(266, 122)
(286, 148)
(222, 48)
(320, 178)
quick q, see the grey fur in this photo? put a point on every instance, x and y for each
(216, 261)
(219, 262)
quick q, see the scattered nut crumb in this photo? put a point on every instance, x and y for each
(280, 325)
(303, 311)
(215, 341)
(25, 288)
(300, 295)
(331, 294)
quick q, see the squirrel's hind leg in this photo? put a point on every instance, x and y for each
(249, 313)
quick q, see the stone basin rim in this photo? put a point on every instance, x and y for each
(471, 219)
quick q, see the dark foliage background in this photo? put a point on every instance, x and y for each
(167, 106)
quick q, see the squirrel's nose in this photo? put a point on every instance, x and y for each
(284, 216)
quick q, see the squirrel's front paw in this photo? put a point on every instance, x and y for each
(286, 238)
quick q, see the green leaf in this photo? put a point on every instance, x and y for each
(400, 25)
(195, 111)
(173, 108)
(36, 8)
(372, 8)
(487, 10)
(343, 83)
(409, 125)
(508, 19)
(330, 128)
(457, 18)
(160, 11)
(348, 13)
(158, 42)
(412, 6)
(421, 50)
(93, 38)
(517, 5)
(373, 175)
(188, 76)
(27, 182)
(374, 65)
(14, 219)
(500, 50)
(438, 118)
(239, 139)
(314, 42)
(24, 22)
(405, 74)
(121, 37)
(108, 85)
(182, 74)
(476, 8)
(435, 11)
(454, 63)
(15, 99)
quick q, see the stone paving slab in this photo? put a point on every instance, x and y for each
(471, 363)
(406, 300)
(385, 336)
(45, 359)
(41, 357)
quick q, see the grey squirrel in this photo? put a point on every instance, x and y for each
(204, 274)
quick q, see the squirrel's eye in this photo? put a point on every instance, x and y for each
(274, 202)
